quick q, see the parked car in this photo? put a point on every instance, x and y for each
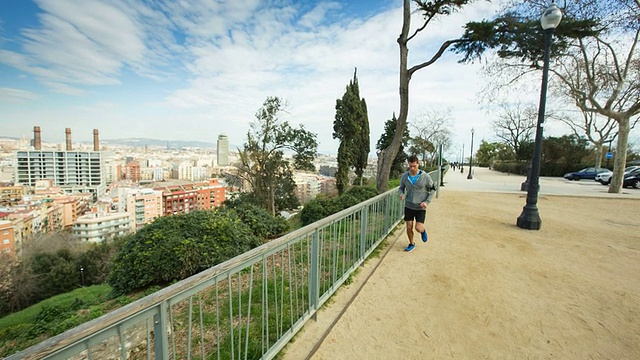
(632, 179)
(586, 173)
(604, 178)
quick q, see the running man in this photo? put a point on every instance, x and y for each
(416, 189)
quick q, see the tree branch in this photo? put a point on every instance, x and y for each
(426, 22)
(435, 57)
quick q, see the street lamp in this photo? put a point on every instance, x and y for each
(82, 275)
(530, 218)
(462, 162)
(471, 156)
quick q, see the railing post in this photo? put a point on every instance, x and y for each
(160, 333)
(387, 217)
(314, 282)
(363, 231)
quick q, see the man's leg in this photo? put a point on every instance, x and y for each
(420, 219)
(410, 231)
(409, 216)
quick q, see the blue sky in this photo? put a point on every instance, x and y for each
(193, 69)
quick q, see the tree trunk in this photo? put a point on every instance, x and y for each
(620, 161)
(389, 154)
(599, 153)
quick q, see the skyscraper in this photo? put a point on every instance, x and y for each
(223, 150)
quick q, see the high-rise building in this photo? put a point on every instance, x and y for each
(72, 171)
(223, 150)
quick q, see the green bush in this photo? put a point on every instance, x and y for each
(175, 247)
(321, 207)
(261, 222)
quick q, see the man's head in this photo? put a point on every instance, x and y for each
(413, 164)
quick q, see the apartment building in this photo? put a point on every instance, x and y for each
(211, 194)
(7, 239)
(132, 171)
(72, 171)
(101, 226)
(144, 206)
(307, 187)
(11, 195)
(179, 199)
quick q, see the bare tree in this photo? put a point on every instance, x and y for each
(432, 128)
(515, 124)
(597, 130)
(607, 84)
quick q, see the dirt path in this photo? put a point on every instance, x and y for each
(483, 288)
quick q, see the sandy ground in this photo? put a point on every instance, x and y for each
(482, 288)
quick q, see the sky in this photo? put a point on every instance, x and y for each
(194, 69)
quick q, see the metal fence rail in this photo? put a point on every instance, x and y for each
(248, 307)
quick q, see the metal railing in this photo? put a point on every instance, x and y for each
(248, 307)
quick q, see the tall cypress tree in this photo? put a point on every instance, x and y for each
(351, 127)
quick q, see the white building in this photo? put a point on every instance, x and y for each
(185, 170)
(99, 227)
(73, 171)
(223, 150)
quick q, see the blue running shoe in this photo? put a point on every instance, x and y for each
(410, 247)
(424, 235)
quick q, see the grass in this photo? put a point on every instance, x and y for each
(58, 314)
(88, 295)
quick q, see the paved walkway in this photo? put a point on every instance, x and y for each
(340, 329)
(486, 180)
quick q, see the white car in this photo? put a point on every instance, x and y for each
(604, 178)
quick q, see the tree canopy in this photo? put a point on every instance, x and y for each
(384, 142)
(262, 160)
(351, 127)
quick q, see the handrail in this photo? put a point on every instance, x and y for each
(248, 307)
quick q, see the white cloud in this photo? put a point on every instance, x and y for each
(218, 61)
(16, 95)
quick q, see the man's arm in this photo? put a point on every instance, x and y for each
(402, 186)
(430, 189)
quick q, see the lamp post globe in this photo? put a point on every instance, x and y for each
(530, 217)
(470, 176)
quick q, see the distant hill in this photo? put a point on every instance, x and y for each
(139, 142)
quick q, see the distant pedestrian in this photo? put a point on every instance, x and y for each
(416, 189)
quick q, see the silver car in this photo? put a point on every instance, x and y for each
(604, 178)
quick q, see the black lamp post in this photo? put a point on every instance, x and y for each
(462, 162)
(82, 274)
(530, 218)
(470, 176)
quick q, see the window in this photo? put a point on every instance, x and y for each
(5, 241)
(6, 232)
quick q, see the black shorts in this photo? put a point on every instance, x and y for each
(419, 215)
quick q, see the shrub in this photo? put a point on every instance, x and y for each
(321, 207)
(175, 247)
(261, 222)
